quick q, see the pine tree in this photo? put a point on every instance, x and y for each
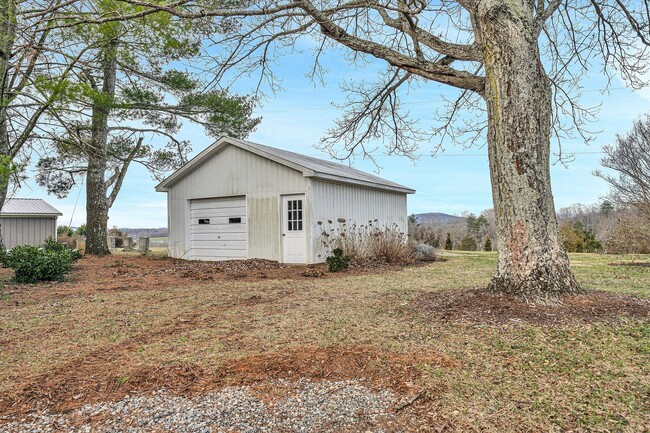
(126, 103)
(487, 246)
(449, 245)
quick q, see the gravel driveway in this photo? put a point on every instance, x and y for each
(302, 406)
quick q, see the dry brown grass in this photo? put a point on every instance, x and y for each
(69, 343)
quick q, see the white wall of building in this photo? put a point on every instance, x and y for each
(235, 172)
(356, 205)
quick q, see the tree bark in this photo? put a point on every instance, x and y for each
(7, 37)
(531, 259)
(96, 188)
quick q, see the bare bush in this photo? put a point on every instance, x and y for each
(629, 158)
(424, 234)
(70, 240)
(424, 252)
(631, 235)
(371, 242)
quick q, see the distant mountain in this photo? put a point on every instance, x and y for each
(437, 218)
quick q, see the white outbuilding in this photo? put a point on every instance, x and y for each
(238, 200)
(27, 221)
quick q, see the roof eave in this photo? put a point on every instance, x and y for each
(29, 215)
(373, 185)
(242, 144)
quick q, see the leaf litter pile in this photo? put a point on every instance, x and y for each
(477, 306)
(93, 274)
(85, 388)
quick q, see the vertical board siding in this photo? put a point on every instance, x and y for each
(26, 231)
(331, 201)
(234, 172)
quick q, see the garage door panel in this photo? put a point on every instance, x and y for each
(216, 255)
(225, 221)
(217, 238)
(223, 203)
(229, 250)
(241, 236)
(220, 213)
(217, 245)
(217, 228)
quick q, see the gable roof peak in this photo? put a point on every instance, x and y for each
(308, 165)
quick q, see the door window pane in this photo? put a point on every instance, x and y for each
(294, 215)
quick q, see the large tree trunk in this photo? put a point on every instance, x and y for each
(5, 169)
(7, 38)
(96, 189)
(5, 159)
(531, 258)
(96, 205)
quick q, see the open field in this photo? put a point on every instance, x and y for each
(129, 325)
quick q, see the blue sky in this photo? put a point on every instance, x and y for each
(456, 180)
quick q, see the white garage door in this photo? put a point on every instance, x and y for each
(218, 228)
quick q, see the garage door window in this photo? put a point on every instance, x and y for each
(294, 215)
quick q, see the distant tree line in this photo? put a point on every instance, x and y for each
(605, 227)
(471, 233)
(618, 224)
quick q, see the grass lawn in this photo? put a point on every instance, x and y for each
(68, 343)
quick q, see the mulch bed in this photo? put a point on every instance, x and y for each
(477, 306)
(97, 274)
(99, 376)
(637, 264)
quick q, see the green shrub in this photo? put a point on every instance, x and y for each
(64, 230)
(32, 264)
(468, 244)
(52, 246)
(81, 230)
(577, 239)
(337, 261)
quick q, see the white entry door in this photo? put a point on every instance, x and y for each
(294, 227)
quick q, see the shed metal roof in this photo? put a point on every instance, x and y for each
(308, 165)
(28, 207)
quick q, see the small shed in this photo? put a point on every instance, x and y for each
(238, 199)
(27, 221)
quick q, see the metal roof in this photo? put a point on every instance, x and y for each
(28, 207)
(308, 165)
